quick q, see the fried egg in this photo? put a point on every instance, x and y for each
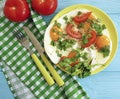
(96, 57)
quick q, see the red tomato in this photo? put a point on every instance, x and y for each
(72, 54)
(74, 63)
(82, 18)
(44, 7)
(71, 32)
(92, 39)
(16, 10)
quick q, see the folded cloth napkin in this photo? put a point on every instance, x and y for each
(24, 78)
(20, 91)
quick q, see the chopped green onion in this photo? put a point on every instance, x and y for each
(84, 55)
(103, 26)
(52, 43)
(85, 38)
(105, 50)
(58, 53)
(79, 13)
(98, 27)
(65, 18)
(65, 44)
(57, 24)
(80, 25)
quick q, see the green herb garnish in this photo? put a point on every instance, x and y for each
(65, 44)
(79, 13)
(52, 43)
(57, 24)
(105, 50)
(98, 27)
(81, 25)
(58, 53)
(85, 38)
(67, 20)
(82, 69)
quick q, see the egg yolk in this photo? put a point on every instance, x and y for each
(102, 41)
(54, 33)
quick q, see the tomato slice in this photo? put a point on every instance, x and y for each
(92, 39)
(71, 32)
(74, 63)
(72, 54)
(82, 18)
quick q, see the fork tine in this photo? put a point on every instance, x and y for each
(18, 34)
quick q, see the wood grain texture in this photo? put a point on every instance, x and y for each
(104, 85)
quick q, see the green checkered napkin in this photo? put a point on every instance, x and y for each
(20, 91)
(24, 79)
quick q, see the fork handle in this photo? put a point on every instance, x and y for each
(42, 69)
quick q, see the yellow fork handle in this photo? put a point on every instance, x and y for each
(52, 70)
(42, 69)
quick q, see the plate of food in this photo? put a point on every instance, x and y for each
(81, 40)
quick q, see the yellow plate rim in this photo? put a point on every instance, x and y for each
(104, 19)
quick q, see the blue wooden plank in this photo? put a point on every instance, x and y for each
(115, 64)
(5, 92)
(104, 85)
(109, 6)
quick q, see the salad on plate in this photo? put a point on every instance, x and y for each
(78, 42)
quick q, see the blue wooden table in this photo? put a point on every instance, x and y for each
(104, 85)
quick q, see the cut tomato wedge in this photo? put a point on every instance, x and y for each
(74, 63)
(82, 18)
(92, 39)
(72, 54)
(71, 32)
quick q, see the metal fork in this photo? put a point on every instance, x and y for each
(25, 42)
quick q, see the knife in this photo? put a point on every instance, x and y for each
(40, 50)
